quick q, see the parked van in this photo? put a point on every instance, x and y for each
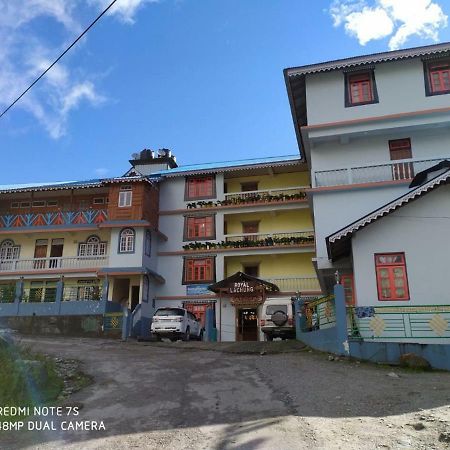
(277, 318)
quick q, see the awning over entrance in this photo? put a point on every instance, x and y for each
(242, 284)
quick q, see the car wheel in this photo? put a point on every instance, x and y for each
(269, 337)
(187, 335)
(279, 318)
(158, 338)
(173, 339)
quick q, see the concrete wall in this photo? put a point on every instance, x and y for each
(134, 259)
(420, 229)
(400, 87)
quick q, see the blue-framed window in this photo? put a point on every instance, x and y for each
(148, 243)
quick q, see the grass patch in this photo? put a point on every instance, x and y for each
(26, 379)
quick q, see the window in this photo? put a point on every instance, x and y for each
(199, 270)
(200, 187)
(8, 250)
(92, 247)
(148, 243)
(199, 227)
(392, 279)
(126, 241)
(437, 78)
(52, 202)
(252, 270)
(360, 89)
(15, 205)
(349, 288)
(125, 197)
(25, 204)
(98, 201)
(249, 186)
(38, 204)
(401, 149)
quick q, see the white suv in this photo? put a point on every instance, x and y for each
(176, 323)
(277, 318)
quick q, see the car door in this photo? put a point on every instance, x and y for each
(193, 324)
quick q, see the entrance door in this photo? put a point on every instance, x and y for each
(247, 324)
(40, 251)
(56, 252)
(250, 227)
(134, 297)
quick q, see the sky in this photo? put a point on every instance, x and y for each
(203, 78)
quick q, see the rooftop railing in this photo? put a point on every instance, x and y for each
(296, 284)
(397, 170)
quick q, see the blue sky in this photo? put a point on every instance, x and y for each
(201, 77)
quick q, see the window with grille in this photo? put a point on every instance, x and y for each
(125, 197)
(360, 89)
(199, 270)
(126, 241)
(349, 288)
(8, 250)
(200, 187)
(438, 78)
(392, 279)
(92, 247)
(199, 227)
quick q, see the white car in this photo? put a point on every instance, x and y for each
(176, 323)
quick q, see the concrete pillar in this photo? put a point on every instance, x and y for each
(18, 295)
(105, 290)
(59, 294)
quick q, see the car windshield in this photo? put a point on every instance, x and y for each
(170, 312)
(272, 309)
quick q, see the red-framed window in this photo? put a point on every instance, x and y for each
(200, 187)
(392, 278)
(401, 149)
(360, 88)
(199, 270)
(200, 227)
(439, 77)
(348, 284)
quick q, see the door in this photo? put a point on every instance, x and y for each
(401, 149)
(56, 252)
(247, 324)
(40, 253)
(250, 227)
(134, 297)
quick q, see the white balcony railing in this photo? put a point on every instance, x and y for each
(281, 238)
(397, 170)
(296, 284)
(280, 194)
(77, 262)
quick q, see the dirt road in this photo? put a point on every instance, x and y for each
(153, 397)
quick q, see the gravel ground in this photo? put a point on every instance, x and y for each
(154, 396)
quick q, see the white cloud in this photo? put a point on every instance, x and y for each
(399, 19)
(125, 10)
(25, 54)
(101, 172)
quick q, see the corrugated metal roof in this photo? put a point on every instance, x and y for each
(231, 165)
(369, 59)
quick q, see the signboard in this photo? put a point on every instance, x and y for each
(198, 289)
(242, 287)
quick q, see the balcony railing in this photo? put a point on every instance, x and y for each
(296, 284)
(77, 262)
(282, 238)
(254, 197)
(10, 219)
(397, 170)
(256, 240)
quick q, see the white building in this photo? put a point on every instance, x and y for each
(366, 126)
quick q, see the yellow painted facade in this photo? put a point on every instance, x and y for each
(276, 181)
(273, 266)
(278, 220)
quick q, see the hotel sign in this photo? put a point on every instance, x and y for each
(242, 287)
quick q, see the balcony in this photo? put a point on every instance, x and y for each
(261, 197)
(11, 220)
(256, 240)
(296, 284)
(38, 264)
(397, 170)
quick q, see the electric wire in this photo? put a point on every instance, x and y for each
(59, 57)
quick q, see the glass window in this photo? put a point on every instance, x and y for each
(439, 78)
(92, 247)
(8, 250)
(360, 89)
(170, 312)
(200, 187)
(392, 278)
(125, 197)
(126, 241)
(200, 227)
(198, 270)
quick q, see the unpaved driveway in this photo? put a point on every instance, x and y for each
(164, 397)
